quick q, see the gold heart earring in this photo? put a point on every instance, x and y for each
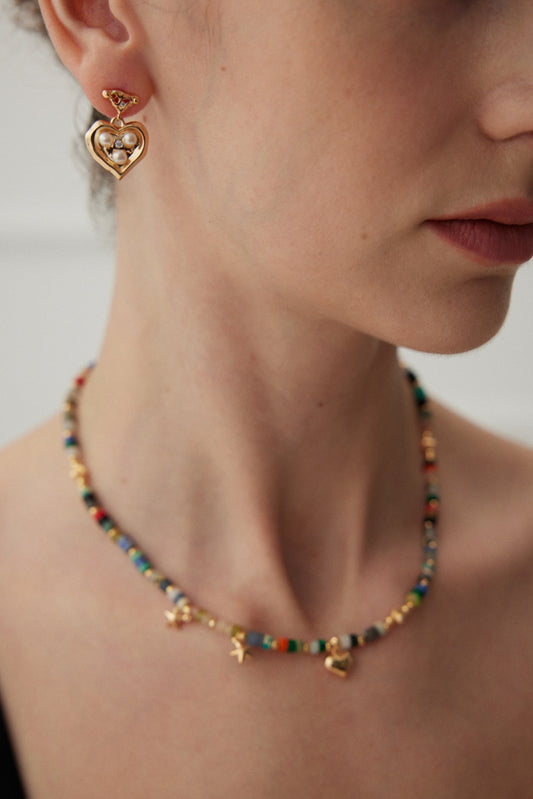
(117, 145)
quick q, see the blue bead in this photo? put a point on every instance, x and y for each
(254, 639)
(125, 542)
(71, 441)
(423, 589)
(164, 584)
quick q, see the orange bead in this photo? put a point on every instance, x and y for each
(283, 644)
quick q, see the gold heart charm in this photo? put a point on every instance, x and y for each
(117, 147)
(338, 661)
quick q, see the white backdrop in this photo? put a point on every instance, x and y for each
(56, 271)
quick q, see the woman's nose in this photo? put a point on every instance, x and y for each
(506, 112)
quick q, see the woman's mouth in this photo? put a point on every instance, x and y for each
(494, 242)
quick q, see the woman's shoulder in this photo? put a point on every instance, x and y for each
(27, 469)
(489, 465)
(32, 496)
(487, 502)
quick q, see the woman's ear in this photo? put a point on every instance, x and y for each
(100, 43)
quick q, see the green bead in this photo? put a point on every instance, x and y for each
(420, 394)
(293, 645)
(414, 598)
(322, 645)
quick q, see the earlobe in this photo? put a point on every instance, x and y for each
(99, 43)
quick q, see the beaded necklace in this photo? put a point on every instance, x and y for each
(337, 649)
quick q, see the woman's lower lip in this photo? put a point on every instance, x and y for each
(492, 241)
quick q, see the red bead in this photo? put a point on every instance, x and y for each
(99, 515)
(283, 644)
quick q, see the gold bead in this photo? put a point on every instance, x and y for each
(397, 616)
(361, 641)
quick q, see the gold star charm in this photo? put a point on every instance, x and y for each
(178, 617)
(241, 651)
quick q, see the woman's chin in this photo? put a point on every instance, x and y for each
(464, 322)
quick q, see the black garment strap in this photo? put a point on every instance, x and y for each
(10, 782)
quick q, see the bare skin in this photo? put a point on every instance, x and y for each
(249, 425)
(101, 694)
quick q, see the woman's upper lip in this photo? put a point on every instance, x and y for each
(506, 212)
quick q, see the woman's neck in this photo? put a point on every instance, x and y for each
(251, 446)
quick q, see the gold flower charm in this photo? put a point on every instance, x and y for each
(178, 617)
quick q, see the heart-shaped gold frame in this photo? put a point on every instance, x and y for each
(102, 154)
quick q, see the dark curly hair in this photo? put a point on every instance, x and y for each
(27, 15)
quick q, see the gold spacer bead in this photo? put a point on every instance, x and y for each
(397, 616)
(361, 641)
(305, 647)
(212, 623)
